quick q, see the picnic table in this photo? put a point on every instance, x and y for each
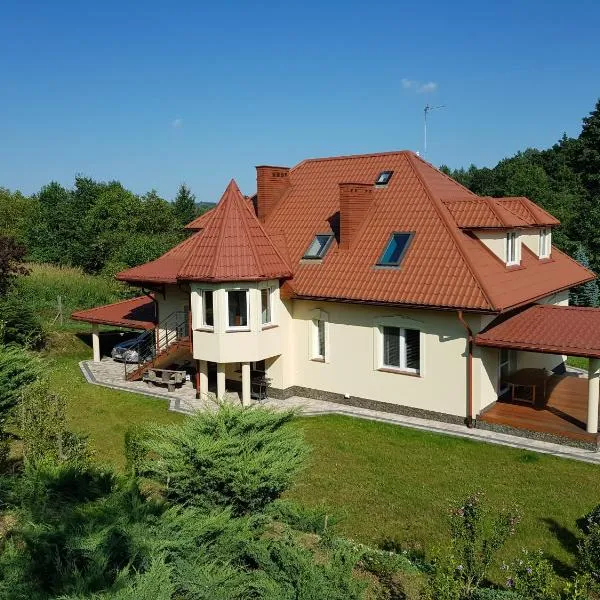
(168, 377)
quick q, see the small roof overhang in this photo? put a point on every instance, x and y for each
(136, 313)
(547, 328)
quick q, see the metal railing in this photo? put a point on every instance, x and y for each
(152, 343)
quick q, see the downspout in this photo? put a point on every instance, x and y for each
(470, 420)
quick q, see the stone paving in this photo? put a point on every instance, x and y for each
(108, 373)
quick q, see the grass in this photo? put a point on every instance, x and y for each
(398, 483)
(101, 413)
(391, 482)
(578, 361)
(41, 288)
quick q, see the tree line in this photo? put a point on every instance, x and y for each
(563, 179)
(101, 227)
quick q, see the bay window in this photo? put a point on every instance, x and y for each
(208, 319)
(266, 305)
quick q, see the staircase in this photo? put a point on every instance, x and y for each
(167, 343)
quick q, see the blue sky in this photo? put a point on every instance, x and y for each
(157, 93)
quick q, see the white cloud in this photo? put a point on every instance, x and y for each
(418, 86)
(427, 88)
(177, 123)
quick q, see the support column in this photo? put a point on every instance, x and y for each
(220, 381)
(246, 384)
(202, 370)
(593, 395)
(96, 341)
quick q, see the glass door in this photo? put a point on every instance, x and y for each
(506, 366)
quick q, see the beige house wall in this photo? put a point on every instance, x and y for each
(353, 346)
(175, 299)
(496, 242)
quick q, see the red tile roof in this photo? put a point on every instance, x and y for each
(492, 213)
(136, 313)
(570, 330)
(231, 246)
(445, 266)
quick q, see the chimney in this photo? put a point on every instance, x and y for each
(355, 201)
(271, 184)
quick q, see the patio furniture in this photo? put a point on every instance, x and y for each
(167, 377)
(259, 387)
(527, 379)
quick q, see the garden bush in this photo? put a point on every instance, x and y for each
(235, 457)
(19, 324)
(533, 577)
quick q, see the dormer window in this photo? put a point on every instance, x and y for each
(545, 243)
(318, 246)
(512, 249)
(384, 177)
(395, 250)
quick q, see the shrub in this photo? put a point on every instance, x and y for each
(477, 536)
(533, 577)
(43, 428)
(18, 369)
(19, 324)
(302, 518)
(493, 594)
(589, 550)
(236, 457)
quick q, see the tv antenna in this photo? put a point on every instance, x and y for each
(427, 110)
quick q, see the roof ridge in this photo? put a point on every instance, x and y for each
(252, 213)
(246, 227)
(469, 192)
(492, 205)
(519, 199)
(347, 156)
(454, 234)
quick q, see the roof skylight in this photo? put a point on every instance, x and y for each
(318, 246)
(384, 177)
(395, 250)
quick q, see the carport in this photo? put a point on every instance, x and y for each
(135, 313)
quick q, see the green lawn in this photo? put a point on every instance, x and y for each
(392, 482)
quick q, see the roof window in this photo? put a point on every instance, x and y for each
(395, 250)
(384, 177)
(318, 246)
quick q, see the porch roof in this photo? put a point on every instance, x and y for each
(546, 328)
(135, 313)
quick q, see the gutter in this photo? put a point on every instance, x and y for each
(470, 419)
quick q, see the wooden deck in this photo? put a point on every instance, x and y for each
(563, 413)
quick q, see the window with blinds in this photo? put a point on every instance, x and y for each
(402, 349)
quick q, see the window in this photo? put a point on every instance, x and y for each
(384, 177)
(545, 243)
(237, 301)
(394, 251)
(266, 305)
(402, 349)
(511, 249)
(208, 319)
(319, 339)
(318, 246)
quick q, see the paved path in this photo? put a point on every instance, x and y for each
(110, 374)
